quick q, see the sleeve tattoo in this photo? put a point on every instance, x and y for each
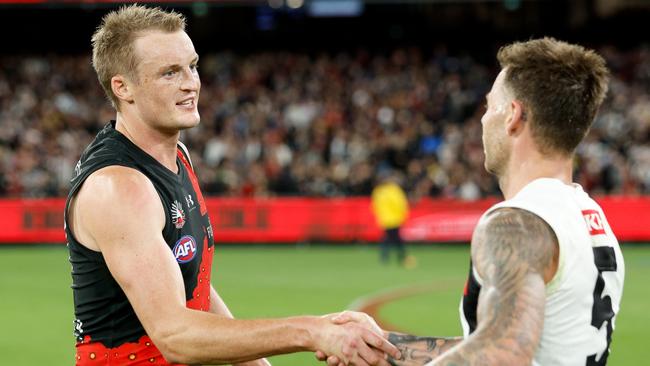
(511, 249)
(417, 350)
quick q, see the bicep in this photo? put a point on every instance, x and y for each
(148, 274)
(511, 250)
(126, 224)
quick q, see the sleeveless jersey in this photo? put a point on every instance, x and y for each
(584, 296)
(106, 326)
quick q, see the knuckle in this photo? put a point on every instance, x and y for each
(347, 352)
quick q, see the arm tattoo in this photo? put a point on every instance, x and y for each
(418, 350)
(511, 249)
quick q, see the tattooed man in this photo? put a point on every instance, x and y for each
(546, 273)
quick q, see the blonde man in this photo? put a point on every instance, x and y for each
(547, 272)
(138, 230)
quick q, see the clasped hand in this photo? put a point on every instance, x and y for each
(355, 339)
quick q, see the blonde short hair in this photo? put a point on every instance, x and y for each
(113, 41)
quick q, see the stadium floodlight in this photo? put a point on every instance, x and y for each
(276, 4)
(295, 4)
(335, 8)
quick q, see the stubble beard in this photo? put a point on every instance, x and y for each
(496, 161)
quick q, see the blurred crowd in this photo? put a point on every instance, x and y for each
(279, 123)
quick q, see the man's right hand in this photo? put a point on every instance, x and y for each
(354, 339)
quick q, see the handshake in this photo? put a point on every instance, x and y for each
(354, 338)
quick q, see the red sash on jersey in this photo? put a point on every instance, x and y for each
(144, 352)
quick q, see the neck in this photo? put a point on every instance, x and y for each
(160, 144)
(525, 167)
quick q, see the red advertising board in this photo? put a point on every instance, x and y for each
(315, 220)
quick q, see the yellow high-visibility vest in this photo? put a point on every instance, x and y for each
(389, 204)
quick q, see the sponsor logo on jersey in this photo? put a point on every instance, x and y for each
(185, 249)
(190, 202)
(209, 231)
(78, 328)
(77, 169)
(178, 215)
(595, 223)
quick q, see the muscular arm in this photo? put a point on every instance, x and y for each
(515, 252)
(118, 212)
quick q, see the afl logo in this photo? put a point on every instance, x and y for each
(178, 215)
(185, 249)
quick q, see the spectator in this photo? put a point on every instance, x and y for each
(279, 123)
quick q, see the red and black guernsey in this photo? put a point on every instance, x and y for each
(107, 329)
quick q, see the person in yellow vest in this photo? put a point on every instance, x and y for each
(390, 207)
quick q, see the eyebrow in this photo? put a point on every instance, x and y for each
(177, 66)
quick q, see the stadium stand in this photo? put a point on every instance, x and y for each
(287, 123)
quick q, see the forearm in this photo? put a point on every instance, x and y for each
(485, 349)
(419, 350)
(509, 328)
(205, 338)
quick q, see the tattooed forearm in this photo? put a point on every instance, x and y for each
(419, 350)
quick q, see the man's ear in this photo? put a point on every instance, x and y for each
(516, 118)
(121, 87)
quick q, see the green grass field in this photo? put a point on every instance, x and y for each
(36, 301)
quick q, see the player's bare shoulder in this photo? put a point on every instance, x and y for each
(114, 195)
(510, 238)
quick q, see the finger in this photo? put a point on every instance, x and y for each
(320, 355)
(383, 358)
(351, 316)
(369, 356)
(381, 344)
(362, 319)
(333, 361)
(342, 318)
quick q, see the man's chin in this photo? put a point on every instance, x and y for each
(189, 122)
